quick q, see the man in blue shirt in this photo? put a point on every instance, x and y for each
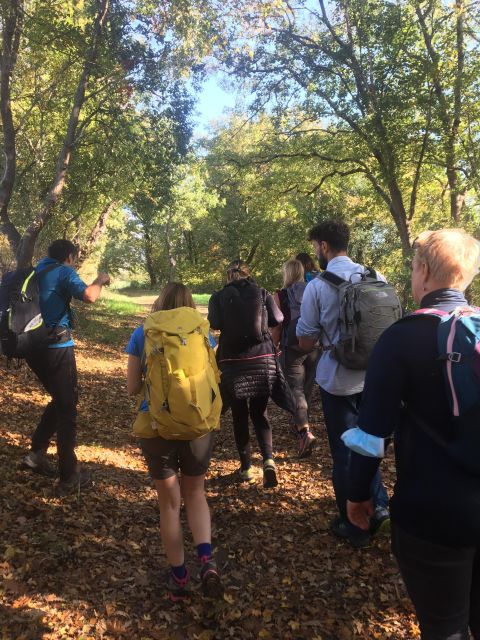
(55, 365)
(340, 388)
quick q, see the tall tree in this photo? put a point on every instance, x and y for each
(71, 79)
(12, 23)
(453, 61)
(362, 70)
(24, 245)
(164, 142)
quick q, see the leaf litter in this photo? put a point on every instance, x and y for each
(91, 567)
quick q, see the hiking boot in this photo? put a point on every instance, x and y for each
(380, 522)
(355, 536)
(37, 462)
(306, 442)
(177, 587)
(211, 584)
(246, 475)
(79, 480)
(269, 474)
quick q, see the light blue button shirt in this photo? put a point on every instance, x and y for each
(319, 319)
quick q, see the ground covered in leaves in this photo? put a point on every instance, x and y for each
(91, 566)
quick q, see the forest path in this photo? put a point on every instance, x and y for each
(91, 566)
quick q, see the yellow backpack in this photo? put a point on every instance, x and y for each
(181, 382)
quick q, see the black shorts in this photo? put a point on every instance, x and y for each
(165, 457)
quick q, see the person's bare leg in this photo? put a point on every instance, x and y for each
(196, 506)
(169, 500)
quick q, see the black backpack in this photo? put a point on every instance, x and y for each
(22, 329)
(245, 317)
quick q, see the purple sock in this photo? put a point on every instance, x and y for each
(204, 550)
(179, 572)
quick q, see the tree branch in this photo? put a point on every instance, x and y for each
(95, 233)
(25, 249)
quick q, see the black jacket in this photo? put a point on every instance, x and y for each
(249, 370)
(434, 498)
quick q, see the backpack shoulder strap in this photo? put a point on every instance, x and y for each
(426, 313)
(332, 278)
(438, 313)
(48, 268)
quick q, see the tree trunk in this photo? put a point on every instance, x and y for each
(12, 28)
(393, 198)
(251, 253)
(149, 263)
(172, 261)
(95, 234)
(27, 243)
(399, 215)
(450, 119)
(172, 264)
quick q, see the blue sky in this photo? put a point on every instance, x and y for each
(212, 101)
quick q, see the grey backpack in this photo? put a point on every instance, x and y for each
(366, 308)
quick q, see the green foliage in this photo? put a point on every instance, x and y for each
(364, 110)
(138, 79)
(201, 298)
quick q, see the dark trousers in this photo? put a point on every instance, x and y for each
(300, 371)
(257, 408)
(443, 583)
(341, 413)
(57, 371)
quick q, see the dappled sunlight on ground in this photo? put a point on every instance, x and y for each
(91, 566)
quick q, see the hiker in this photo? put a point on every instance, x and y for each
(309, 266)
(243, 312)
(435, 507)
(55, 366)
(340, 387)
(182, 439)
(299, 366)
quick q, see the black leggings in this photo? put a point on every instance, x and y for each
(257, 408)
(443, 583)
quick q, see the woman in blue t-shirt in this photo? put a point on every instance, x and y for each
(165, 458)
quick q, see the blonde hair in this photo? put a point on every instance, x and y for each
(293, 271)
(172, 296)
(452, 256)
(237, 270)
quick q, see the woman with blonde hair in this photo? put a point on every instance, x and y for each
(412, 391)
(166, 457)
(300, 367)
